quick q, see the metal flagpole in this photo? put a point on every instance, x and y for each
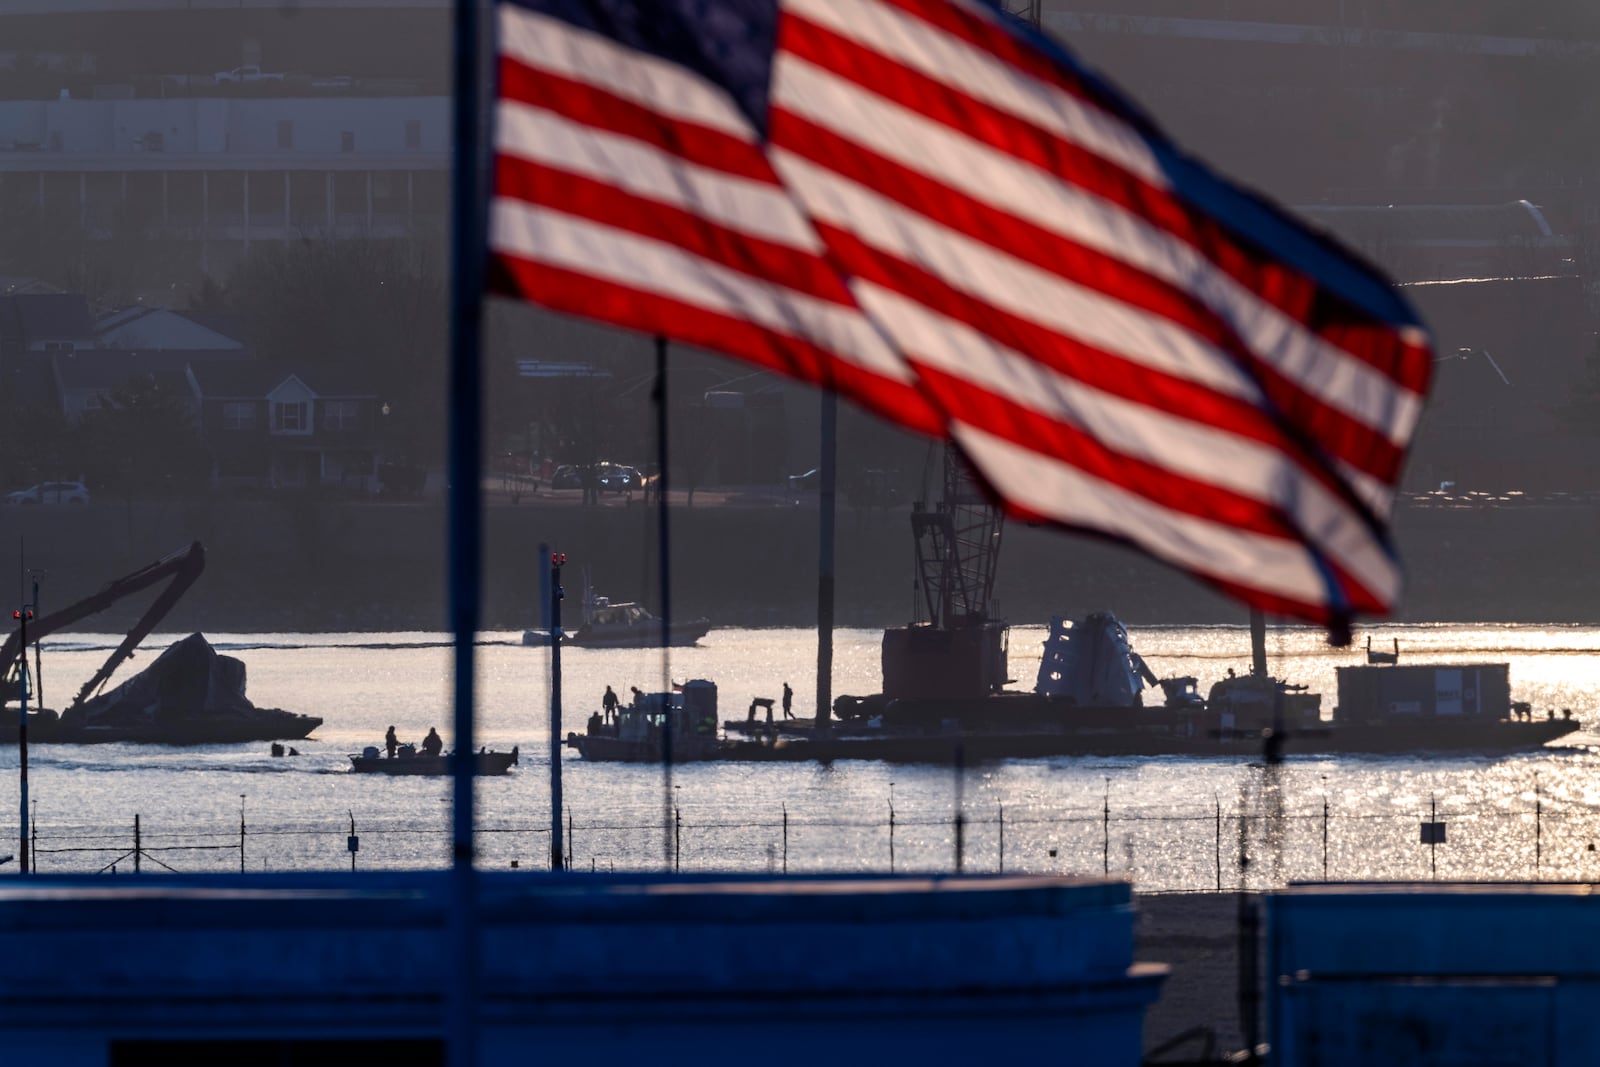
(557, 854)
(467, 251)
(664, 548)
(825, 537)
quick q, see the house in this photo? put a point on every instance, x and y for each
(272, 425)
(161, 329)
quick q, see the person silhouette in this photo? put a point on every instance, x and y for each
(391, 742)
(788, 701)
(432, 744)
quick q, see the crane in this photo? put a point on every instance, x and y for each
(954, 648)
(182, 567)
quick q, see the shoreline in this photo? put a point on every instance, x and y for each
(312, 566)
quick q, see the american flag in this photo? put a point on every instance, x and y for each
(937, 211)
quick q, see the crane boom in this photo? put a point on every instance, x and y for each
(183, 567)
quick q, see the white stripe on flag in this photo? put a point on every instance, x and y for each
(981, 171)
(1203, 451)
(558, 47)
(762, 209)
(979, 74)
(533, 233)
(1047, 299)
(1226, 553)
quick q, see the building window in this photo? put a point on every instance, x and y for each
(341, 414)
(347, 140)
(238, 415)
(413, 133)
(290, 418)
(285, 133)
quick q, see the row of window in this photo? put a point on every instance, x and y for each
(292, 417)
(347, 138)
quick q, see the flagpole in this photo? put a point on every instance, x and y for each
(664, 550)
(825, 540)
(467, 253)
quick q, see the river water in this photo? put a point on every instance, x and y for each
(1166, 823)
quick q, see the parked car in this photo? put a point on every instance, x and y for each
(50, 493)
(566, 477)
(245, 75)
(618, 478)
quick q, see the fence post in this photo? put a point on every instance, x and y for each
(1218, 799)
(1538, 826)
(241, 833)
(961, 811)
(1002, 839)
(569, 839)
(891, 827)
(1105, 824)
(677, 839)
(138, 847)
(1324, 837)
(786, 838)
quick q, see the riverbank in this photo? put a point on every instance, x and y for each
(310, 565)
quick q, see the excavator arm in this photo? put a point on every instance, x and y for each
(182, 567)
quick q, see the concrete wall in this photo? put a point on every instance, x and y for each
(715, 970)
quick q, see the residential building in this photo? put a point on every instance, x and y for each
(162, 329)
(273, 426)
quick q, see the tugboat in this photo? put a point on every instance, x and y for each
(642, 731)
(620, 625)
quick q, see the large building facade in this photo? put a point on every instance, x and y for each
(185, 134)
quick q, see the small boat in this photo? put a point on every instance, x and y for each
(620, 625)
(407, 760)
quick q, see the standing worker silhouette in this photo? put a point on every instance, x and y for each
(432, 744)
(609, 704)
(390, 742)
(788, 701)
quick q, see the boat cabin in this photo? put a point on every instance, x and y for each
(690, 710)
(1424, 691)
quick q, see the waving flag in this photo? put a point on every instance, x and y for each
(944, 216)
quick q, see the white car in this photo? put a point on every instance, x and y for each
(50, 493)
(246, 76)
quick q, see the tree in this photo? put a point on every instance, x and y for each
(365, 305)
(142, 442)
(39, 447)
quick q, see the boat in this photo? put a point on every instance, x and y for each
(407, 760)
(190, 695)
(684, 720)
(1088, 701)
(623, 624)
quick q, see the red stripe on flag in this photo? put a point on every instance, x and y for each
(590, 198)
(592, 106)
(651, 312)
(1062, 442)
(1320, 312)
(1094, 366)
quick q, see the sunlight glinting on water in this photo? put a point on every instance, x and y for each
(1154, 820)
